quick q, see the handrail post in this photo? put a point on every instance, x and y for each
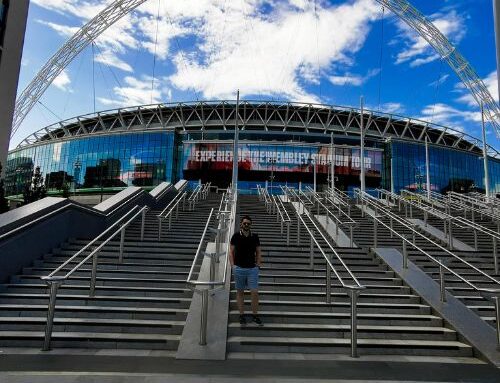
(450, 239)
(405, 255)
(351, 236)
(391, 225)
(475, 238)
(495, 255)
(53, 283)
(354, 322)
(159, 228)
(441, 283)
(122, 243)
(328, 284)
(311, 252)
(375, 231)
(93, 276)
(298, 229)
(169, 220)
(497, 312)
(288, 233)
(204, 317)
(143, 221)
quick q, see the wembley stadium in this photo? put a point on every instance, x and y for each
(279, 143)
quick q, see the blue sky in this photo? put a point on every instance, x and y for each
(298, 50)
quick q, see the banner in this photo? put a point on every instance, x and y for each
(291, 158)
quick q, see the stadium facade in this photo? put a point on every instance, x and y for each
(279, 143)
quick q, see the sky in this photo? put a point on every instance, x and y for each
(328, 52)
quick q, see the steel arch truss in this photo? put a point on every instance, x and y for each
(119, 8)
(256, 116)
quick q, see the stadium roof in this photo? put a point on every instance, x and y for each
(255, 116)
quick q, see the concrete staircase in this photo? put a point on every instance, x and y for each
(391, 319)
(482, 259)
(141, 303)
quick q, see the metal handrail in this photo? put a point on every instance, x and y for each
(281, 212)
(176, 197)
(225, 228)
(493, 294)
(470, 202)
(175, 207)
(448, 204)
(55, 281)
(443, 215)
(377, 205)
(352, 290)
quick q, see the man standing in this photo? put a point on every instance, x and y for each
(246, 258)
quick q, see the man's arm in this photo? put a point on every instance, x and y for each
(258, 251)
(231, 255)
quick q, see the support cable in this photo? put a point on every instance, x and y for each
(436, 89)
(182, 55)
(156, 46)
(49, 110)
(316, 19)
(381, 58)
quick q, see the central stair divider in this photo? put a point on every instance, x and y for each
(205, 332)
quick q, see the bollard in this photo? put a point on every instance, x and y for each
(441, 283)
(204, 317)
(53, 283)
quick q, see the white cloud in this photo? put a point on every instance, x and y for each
(276, 53)
(62, 81)
(440, 80)
(447, 115)
(418, 51)
(392, 107)
(235, 44)
(354, 80)
(108, 58)
(137, 91)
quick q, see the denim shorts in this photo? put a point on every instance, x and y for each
(246, 278)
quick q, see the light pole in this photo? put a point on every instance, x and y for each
(332, 162)
(235, 146)
(427, 169)
(272, 161)
(485, 157)
(362, 149)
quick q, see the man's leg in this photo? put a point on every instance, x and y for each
(255, 301)
(240, 300)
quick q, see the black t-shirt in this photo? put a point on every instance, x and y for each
(245, 249)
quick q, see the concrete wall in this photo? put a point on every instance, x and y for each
(34, 238)
(10, 64)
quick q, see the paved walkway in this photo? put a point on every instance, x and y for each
(104, 368)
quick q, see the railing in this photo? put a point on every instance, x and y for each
(345, 221)
(225, 229)
(353, 290)
(168, 212)
(448, 222)
(197, 193)
(282, 216)
(55, 281)
(377, 207)
(478, 205)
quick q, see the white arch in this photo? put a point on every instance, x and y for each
(402, 8)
